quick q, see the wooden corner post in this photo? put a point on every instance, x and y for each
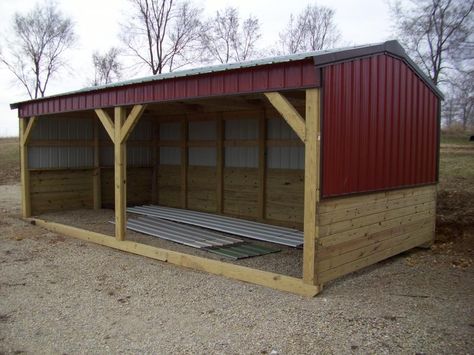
(311, 185)
(25, 132)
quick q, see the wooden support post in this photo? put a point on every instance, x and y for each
(119, 131)
(25, 133)
(311, 186)
(96, 182)
(120, 170)
(220, 165)
(262, 136)
(156, 162)
(184, 163)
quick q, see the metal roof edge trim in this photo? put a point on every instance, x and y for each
(392, 47)
(320, 58)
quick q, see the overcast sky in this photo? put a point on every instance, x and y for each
(97, 26)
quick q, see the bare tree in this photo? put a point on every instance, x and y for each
(313, 29)
(36, 48)
(463, 95)
(163, 33)
(226, 39)
(434, 31)
(107, 67)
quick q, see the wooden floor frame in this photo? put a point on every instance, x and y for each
(119, 129)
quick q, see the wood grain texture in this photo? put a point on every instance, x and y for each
(58, 190)
(241, 191)
(358, 231)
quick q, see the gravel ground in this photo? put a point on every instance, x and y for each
(61, 295)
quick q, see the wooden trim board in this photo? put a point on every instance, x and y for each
(232, 271)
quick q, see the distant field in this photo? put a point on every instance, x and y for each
(456, 137)
(9, 160)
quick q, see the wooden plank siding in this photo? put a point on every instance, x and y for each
(139, 185)
(60, 189)
(358, 231)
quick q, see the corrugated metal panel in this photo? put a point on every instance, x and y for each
(202, 156)
(241, 129)
(277, 128)
(231, 225)
(290, 157)
(139, 156)
(142, 131)
(287, 75)
(379, 127)
(61, 129)
(170, 156)
(170, 131)
(241, 157)
(60, 157)
(202, 130)
(285, 157)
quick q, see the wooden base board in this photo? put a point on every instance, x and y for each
(242, 273)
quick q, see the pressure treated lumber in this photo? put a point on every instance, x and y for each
(106, 122)
(96, 184)
(357, 231)
(120, 175)
(27, 132)
(311, 185)
(288, 112)
(24, 173)
(242, 273)
(131, 121)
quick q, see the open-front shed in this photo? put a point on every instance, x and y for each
(341, 144)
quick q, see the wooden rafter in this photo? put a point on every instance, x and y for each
(106, 122)
(131, 121)
(288, 112)
(27, 132)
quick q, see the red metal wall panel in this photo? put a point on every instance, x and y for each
(290, 75)
(380, 126)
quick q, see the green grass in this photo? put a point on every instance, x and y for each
(9, 154)
(456, 137)
(456, 170)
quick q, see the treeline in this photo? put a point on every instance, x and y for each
(167, 35)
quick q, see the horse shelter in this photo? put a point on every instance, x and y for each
(333, 154)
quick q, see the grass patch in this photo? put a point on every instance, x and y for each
(456, 137)
(9, 160)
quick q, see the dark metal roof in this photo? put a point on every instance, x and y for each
(282, 72)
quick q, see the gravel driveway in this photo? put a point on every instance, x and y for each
(61, 295)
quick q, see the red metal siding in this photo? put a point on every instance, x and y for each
(290, 75)
(379, 127)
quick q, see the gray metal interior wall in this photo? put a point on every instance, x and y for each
(61, 129)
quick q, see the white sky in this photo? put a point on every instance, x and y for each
(97, 26)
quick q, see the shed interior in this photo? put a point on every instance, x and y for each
(233, 155)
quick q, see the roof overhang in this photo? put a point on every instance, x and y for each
(297, 71)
